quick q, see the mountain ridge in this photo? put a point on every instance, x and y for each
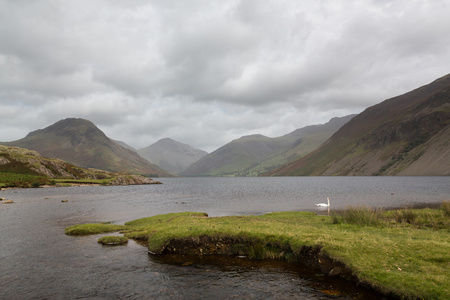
(389, 138)
(254, 154)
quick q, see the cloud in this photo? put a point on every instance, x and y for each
(206, 72)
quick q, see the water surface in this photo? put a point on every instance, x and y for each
(38, 261)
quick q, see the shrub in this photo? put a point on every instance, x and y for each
(35, 184)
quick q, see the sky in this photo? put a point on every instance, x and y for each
(207, 72)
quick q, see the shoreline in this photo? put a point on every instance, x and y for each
(71, 184)
(389, 259)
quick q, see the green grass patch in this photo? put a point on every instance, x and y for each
(113, 240)
(390, 251)
(93, 228)
(420, 218)
(21, 180)
(83, 181)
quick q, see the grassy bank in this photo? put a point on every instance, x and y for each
(397, 254)
(8, 180)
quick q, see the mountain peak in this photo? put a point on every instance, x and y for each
(63, 126)
(171, 155)
(80, 142)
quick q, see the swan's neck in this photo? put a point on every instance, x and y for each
(328, 199)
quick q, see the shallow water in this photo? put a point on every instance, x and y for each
(38, 261)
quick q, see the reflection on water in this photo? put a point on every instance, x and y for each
(225, 277)
(38, 261)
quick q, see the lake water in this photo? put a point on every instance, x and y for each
(38, 261)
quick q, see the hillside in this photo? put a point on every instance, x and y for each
(171, 155)
(255, 154)
(404, 135)
(26, 168)
(80, 142)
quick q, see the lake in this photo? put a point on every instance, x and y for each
(38, 261)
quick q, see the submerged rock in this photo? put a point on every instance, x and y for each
(335, 271)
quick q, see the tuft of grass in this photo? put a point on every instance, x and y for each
(404, 216)
(446, 208)
(113, 240)
(360, 215)
(93, 228)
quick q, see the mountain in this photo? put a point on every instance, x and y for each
(404, 135)
(255, 154)
(26, 168)
(125, 145)
(81, 143)
(171, 155)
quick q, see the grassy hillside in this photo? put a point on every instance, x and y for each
(256, 154)
(233, 158)
(80, 142)
(405, 135)
(26, 168)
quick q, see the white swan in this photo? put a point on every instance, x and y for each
(324, 204)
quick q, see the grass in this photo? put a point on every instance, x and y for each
(113, 240)
(21, 180)
(93, 228)
(419, 218)
(392, 252)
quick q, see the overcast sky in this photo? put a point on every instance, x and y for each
(207, 72)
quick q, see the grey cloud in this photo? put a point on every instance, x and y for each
(205, 72)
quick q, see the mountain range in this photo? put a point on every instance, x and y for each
(405, 135)
(255, 154)
(81, 143)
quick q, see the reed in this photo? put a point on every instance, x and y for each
(359, 215)
(446, 208)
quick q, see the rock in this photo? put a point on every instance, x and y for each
(64, 200)
(7, 202)
(335, 271)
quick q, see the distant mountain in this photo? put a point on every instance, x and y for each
(125, 145)
(255, 154)
(171, 155)
(80, 142)
(404, 135)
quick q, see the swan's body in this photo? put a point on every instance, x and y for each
(324, 204)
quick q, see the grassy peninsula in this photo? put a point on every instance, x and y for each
(403, 253)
